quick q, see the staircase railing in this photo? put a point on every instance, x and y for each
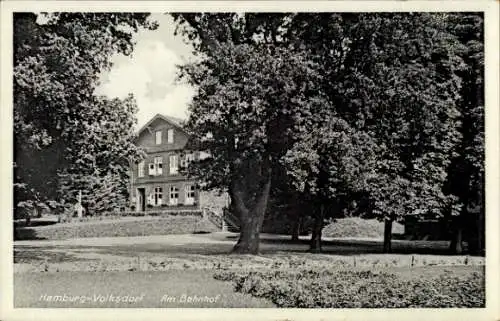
(226, 222)
(232, 221)
(213, 217)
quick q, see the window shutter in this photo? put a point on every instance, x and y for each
(158, 195)
(189, 197)
(173, 164)
(140, 169)
(159, 166)
(151, 169)
(174, 195)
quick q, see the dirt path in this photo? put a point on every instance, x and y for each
(176, 239)
(208, 251)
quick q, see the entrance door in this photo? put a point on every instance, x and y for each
(141, 199)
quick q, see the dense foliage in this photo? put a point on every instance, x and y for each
(466, 173)
(393, 78)
(66, 138)
(358, 289)
(250, 94)
(367, 109)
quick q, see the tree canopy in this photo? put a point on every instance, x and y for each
(374, 103)
(60, 126)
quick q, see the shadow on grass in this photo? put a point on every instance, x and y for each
(344, 248)
(33, 223)
(26, 255)
(26, 233)
(269, 245)
(354, 247)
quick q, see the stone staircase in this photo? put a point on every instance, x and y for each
(226, 221)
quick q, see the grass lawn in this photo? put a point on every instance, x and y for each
(174, 287)
(182, 269)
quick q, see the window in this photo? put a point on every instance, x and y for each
(151, 170)
(158, 196)
(151, 199)
(174, 164)
(158, 162)
(170, 136)
(189, 189)
(140, 169)
(174, 195)
(158, 137)
(188, 158)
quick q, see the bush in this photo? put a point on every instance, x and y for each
(362, 289)
(359, 227)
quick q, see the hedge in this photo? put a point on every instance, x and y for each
(360, 289)
(110, 228)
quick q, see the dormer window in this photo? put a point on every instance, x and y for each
(170, 136)
(158, 137)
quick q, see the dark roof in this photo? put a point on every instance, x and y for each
(177, 122)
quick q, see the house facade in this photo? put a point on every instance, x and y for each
(156, 182)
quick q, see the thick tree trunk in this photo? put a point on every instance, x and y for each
(251, 219)
(481, 236)
(315, 246)
(476, 241)
(296, 226)
(456, 241)
(249, 239)
(387, 236)
(456, 244)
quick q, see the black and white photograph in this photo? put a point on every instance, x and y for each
(251, 159)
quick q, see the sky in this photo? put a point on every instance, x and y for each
(150, 73)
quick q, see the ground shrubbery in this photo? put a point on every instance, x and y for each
(359, 227)
(360, 289)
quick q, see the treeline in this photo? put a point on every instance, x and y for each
(67, 139)
(377, 113)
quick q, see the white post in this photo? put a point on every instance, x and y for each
(79, 207)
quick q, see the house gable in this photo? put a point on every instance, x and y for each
(154, 136)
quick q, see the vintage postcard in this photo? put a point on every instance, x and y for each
(266, 160)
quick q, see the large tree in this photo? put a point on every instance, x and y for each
(243, 116)
(60, 127)
(390, 76)
(100, 156)
(420, 124)
(329, 162)
(466, 173)
(394, 76)
(251, 89)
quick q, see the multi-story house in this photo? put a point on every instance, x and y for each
(156, 182)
